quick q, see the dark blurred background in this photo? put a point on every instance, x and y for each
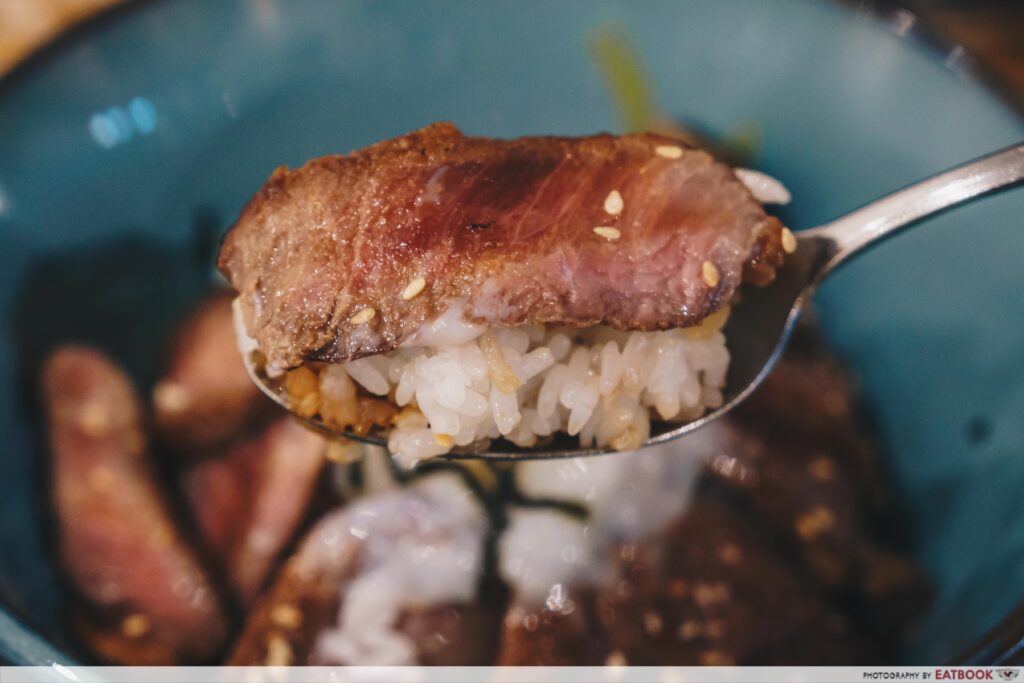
(990, 31)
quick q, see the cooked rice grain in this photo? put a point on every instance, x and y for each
(524, 383)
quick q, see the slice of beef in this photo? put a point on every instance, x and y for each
(705, 591)
(505, 228)
(249, 503)
(804, 467)
(303, 601)
(298, 620)
(205, 397)
(708, 590)
(144, 598)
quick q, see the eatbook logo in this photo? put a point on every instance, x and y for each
(977, 674)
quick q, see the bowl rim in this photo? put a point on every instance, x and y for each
(21, 645)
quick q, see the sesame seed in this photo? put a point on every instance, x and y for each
(814, 523)
(669, 151)
(343, 451)
(413, 288)
(444, 441)
(714, 628)
(610, 234)
(286, 615)
(788, 241)
(709, 274)
(279, 651)
(708, 594)
(134, 626)
(613, 203)
(652, 623)
(308, 405)
(716, 658)
(171, 397)
(630, 439)
(688, 630)
(94, 419)
(363, 316)
(616, 658)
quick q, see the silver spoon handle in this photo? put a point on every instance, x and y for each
(874, 222)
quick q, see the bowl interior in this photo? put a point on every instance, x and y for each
(127, 150)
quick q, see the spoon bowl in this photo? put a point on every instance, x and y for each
(762, 320)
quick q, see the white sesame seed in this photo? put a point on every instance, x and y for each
(707, 594)
(279, 651)
(609, 233)
(413, 288)
(286, 615)
(134, 626)
(363, 316)
(669, 151)
(171, 397)
(788, 241)
(343, 451)
(94, 419)
(444, 441)
(716, 658)
(616, 658)
(652, 623)
(816, 522)
(709, 274)
(613, 203)
(689, 629)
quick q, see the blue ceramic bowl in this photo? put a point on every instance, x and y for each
(128, 146)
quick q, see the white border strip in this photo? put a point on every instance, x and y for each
(58, 673)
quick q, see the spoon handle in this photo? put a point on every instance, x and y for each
(874, 222)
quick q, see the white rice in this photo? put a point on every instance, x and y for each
(765, 188)
(419, 546)
(544, 553)
(469, 383)
(422, 545)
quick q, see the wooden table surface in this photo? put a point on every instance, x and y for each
(991, 30)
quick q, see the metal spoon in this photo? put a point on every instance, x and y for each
(761, 324)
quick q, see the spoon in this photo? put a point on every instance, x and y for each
(760, 326)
